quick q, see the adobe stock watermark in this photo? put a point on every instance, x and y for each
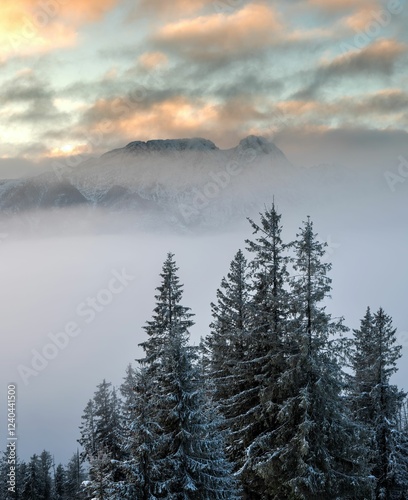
(394, 178)
(380, 19)
(86, 312)
(11, 453)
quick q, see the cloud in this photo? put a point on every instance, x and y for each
(384, 102)
(26, 98)
(168, 117)
(49, 10)
(112, 122)
(24, 87)
(151, 60)
(378, 58)
(386, 106)
(174, 9)
(341, 6)
(219, 36)
(29, 27)
(359, 20)
(28, 40)
(349, 145)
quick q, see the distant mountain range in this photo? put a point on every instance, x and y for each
(182, 183)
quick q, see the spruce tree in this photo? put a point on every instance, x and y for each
(100, 439)
(189, 458)
(270, 308)
(226, 349)
(45, 465)
(60, 483)
(74, 477)
(32, 482)
(377, 403)
(246, 348)
(107, 420)
(315, 450)
(87, 429)
(140, 435)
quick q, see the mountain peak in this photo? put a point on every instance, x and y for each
(196, 144)
(261, 144)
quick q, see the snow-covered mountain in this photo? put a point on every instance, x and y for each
(185, 184)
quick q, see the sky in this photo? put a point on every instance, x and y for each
(80, 78)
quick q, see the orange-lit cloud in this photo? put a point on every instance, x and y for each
(30, 27)
(173, 9)
(296, 108)
(382, 52)
(173, 116)
(68, 150)
(207, 37)
(360, 19)
(48, 10)
(29, 41)
(386, 103)
(110, 123)
(151, 60)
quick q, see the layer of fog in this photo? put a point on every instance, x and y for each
(46, 277)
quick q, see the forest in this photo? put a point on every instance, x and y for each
(280, 400)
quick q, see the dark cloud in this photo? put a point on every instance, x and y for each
(28, 89)
(377, 59)
(40, 111)
(17, 91)
(384, 102)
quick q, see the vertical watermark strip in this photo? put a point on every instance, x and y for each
(11, 437)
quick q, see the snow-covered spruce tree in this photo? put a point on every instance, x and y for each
(270, 308)
(226, 345)
(88, 432)
(377, 404)
(316, 449)
(101, 483)
(189, 457)
(32, 488)
(139, 436)
(74, 476)
(247, 347)
(46, 463)
(225, 348)
(100, 440)
(107, 420)
(59, 483)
